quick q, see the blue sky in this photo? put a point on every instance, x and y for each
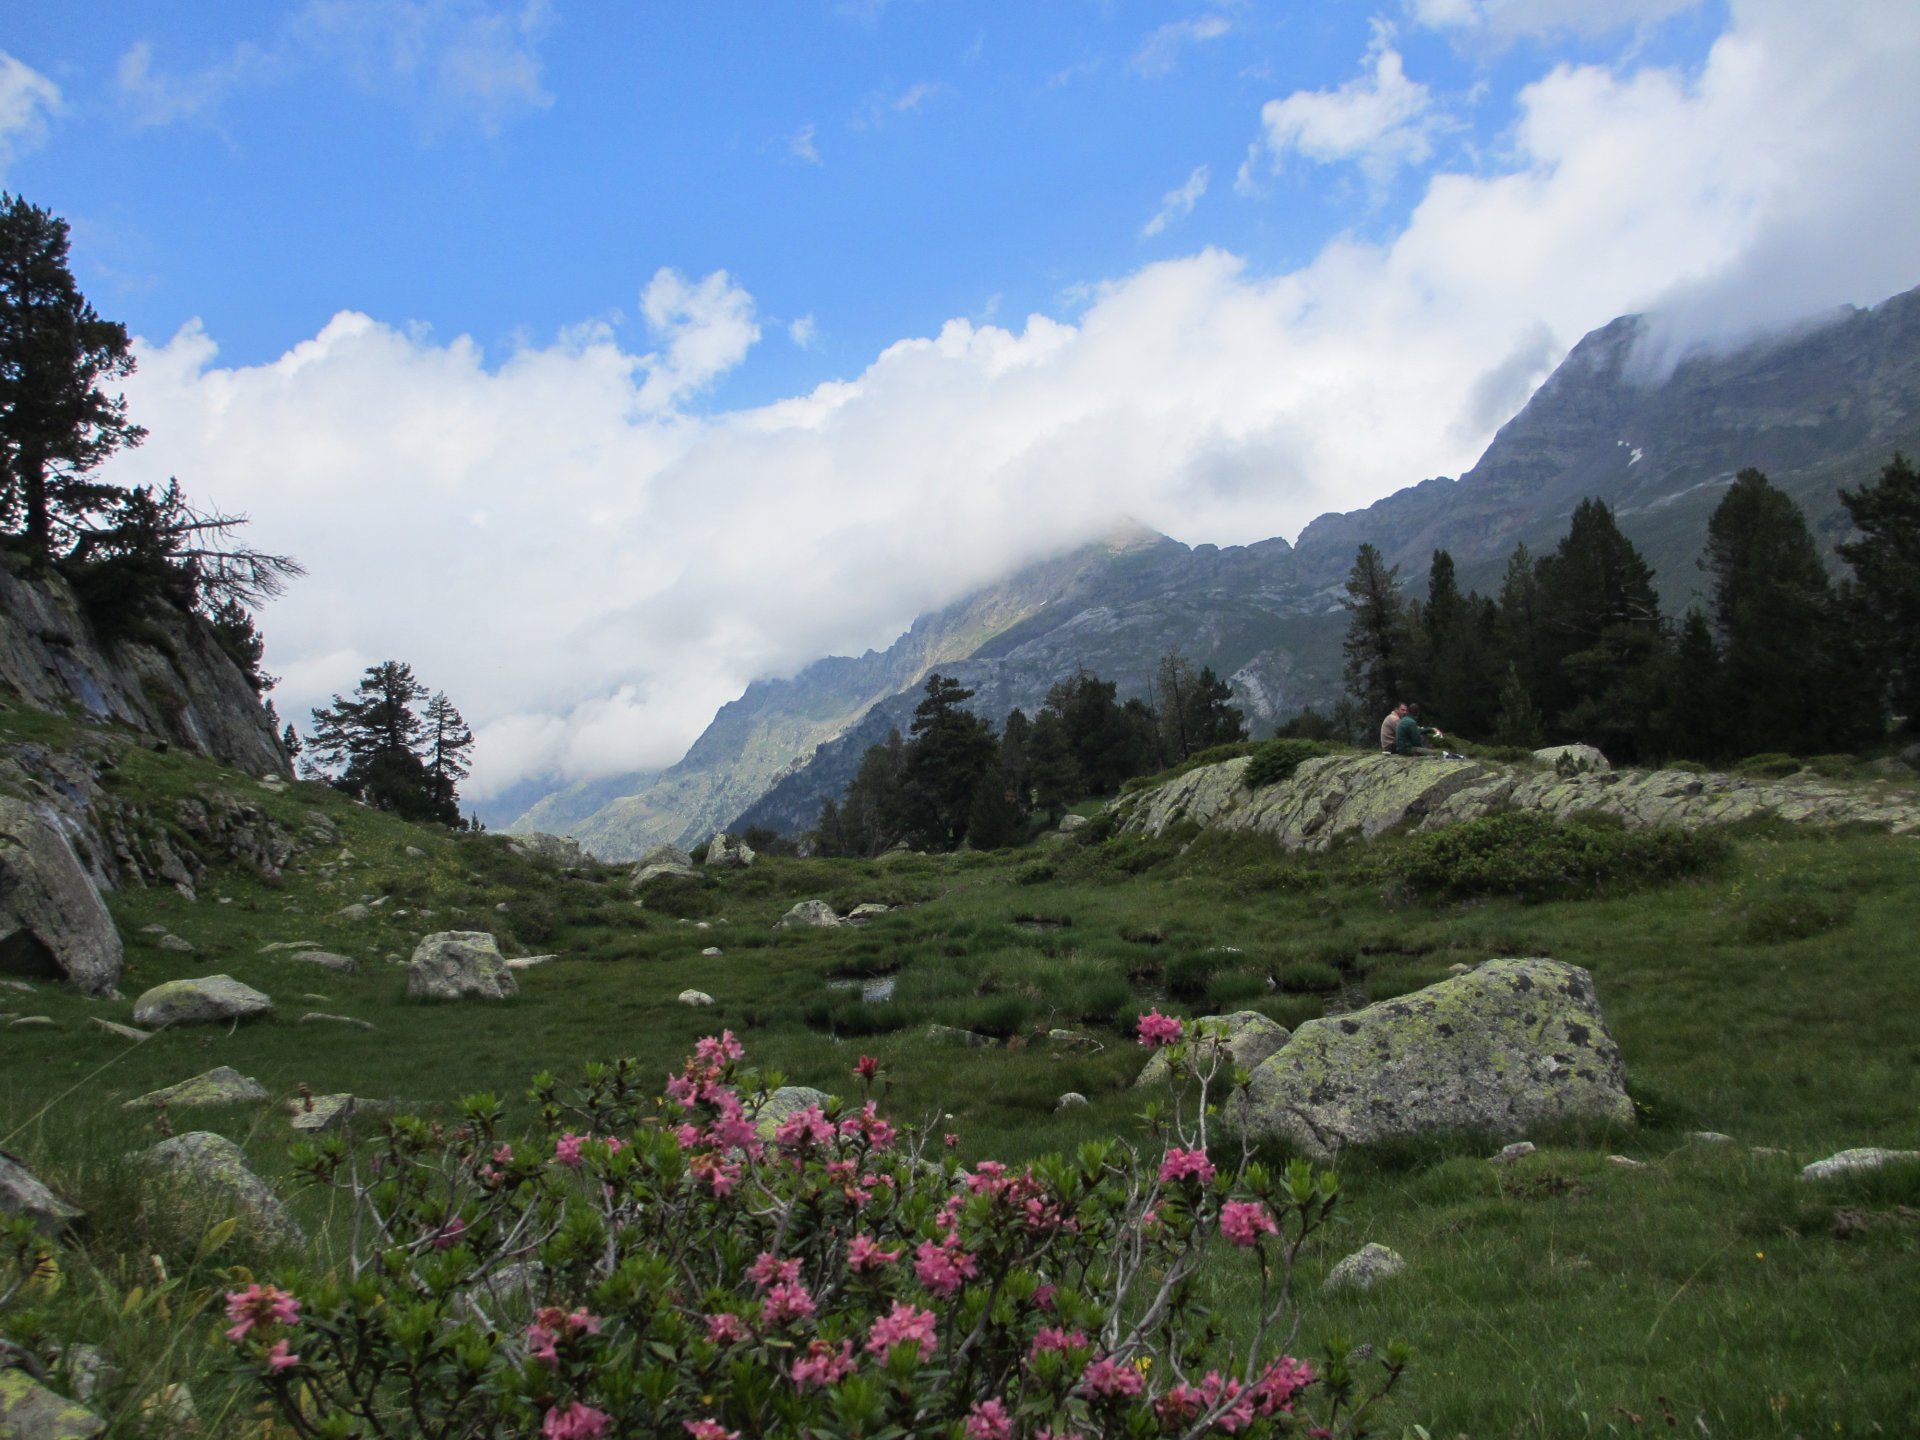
(599, 358)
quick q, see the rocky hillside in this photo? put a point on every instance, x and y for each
(166, 677)
(1816, 408)
(1360, 796)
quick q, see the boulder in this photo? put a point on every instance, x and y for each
(1512, 1045)
(204, 1001)
(1072, 1100)
(222, 1085)
(949, 1035)
(784, 1102)
(1573, 759)
(561, 850)
(666, 855)
(455, 963)
(712, 952)
(1071, 823)
(1247, 1037)
(30, 1411)
(211, 1171)
(1365, 1268)
(866, 911)
(52, 920)
(176, 944)
(355, 911)
(644, 875)
(1846, 1162)
(21, 1193)
(726, 853)
(312, 1114)
(815, 913)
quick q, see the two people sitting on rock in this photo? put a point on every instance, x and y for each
(1409, 736)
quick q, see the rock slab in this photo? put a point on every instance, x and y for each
(1512, 1045)
(1244, 1039)
(222, 1085)
(211, 1168)
(30, 1411)
(199, 1002)
(453, 964)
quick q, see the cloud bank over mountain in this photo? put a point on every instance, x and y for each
(589, 561)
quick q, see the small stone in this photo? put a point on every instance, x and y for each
(354, 912)
(311, 1115)
(19, 987)
(712, 951)
(1709, 1137)
(1772, 1152)
(414, 852)
(30, 1020)
(174, 942)
(502, 907)
(527, 962)
(1070, 1039)
(1626, 1162)
(320, 1017)
(153, 929)
(867, 911)
(809, 913)
(1365, 1268)
(1459, 968)
(695, 997)
(1847, 1162)
(701, 925)
(1519, 1150)
(344, 964)
(278, 945)
(949, 1035)
(1072, 1100)
(125, 1032)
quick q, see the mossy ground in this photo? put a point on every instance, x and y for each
(1771, 998)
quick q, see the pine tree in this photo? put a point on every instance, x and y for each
(382, 751)
(948, 759)
(448, 742)
(57, 423)
(1793, 683)
(1051, 768)
(1883, 598)
(1379, 642)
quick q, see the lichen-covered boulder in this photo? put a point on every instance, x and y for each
(22, 1194)
(1246, 1036)
(1512, 1045)
(1365, 1268)
(666, 855)
(222, 1085)
(30, 1411)
(204, 1001)
(561, 850)
(726, 853)
(787, 1100)
(645, 874)
(52, 919)
(327, 960)
(1575, 759)
(809, 913)
(210, 1171)
(452, 964)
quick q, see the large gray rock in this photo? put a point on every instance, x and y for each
(204, 1169)
(1573, 759)
(816, 914)
(784, 1102)
(22, 1193)
(52, 920)
(456, 963)
(644, 875)
(726, 853)
(1365, 1268)
(1512, 1045)
(222, 1085)
(1246, 1037)
(562, 850)
(199, 1002)
(666, 855)
(30, 1411)
(1848, 1162)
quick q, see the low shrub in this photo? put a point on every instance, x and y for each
(1536, 857)
(1770, 766)
(656, 1265)
(1278, 759)
(1793, 916)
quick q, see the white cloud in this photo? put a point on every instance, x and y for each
(803, 332)
(28, 100)
(1379, 119)
(1178, 203)
(881, 106)
(641, 563)
(153, 97)
(801, 144)
(1160, 53)
(1509, 19)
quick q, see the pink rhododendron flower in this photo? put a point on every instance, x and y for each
(1053, 1337)
(709, 1430)
(865, 1254)
(260, 1305)
(1279, 1383)
(726, 1329)
(787, 1303)
(988, 1420)
(1157, 1029)
(1243, 1222)
(1180, 1164)
(550, 1325)
(901, 1325)
(1179, 1404)
(866, 1067)
(950, 1141)
(1043, 1297)
(279, 1358)
(1108, 1379)
(868, 1123)
(822, 1365)
(767, 1271)
(944, 1267)
(566, 1150)
(445, 1237)
(803, 1129)
(576, 1422)
(713, 1051)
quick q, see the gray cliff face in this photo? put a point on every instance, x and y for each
(174, 684)
(1818, 407)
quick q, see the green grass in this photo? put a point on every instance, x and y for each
(1770, 996)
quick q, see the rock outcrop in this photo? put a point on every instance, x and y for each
(455, 963)
(726, 853)
(561, 850)
(1363, 795)
(52, 919)
(1510, 1045)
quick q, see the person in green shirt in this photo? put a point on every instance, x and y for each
(1410, 737)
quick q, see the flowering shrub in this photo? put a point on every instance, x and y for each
(666, 1266)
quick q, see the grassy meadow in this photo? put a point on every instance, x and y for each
(1766, 989)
